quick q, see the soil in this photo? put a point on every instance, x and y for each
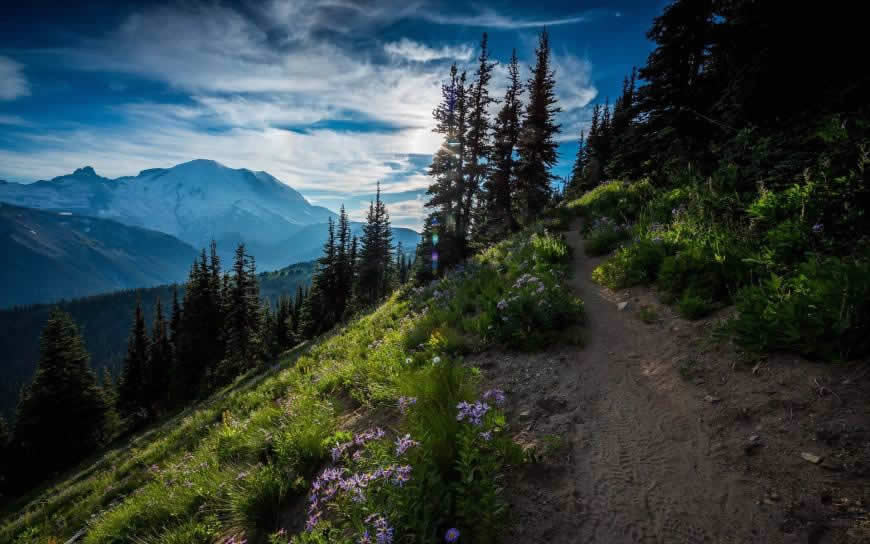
(655, 431)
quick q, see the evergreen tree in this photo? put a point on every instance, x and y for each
(537, 143)
(160, 360)
(62, 414)
(344, 265)
(5, 454)
(244, 315)
(576, 183)
(478, 145)
(425, 266)
(376, 255)
(136, 379)
(497, 214)
(448, 169)
(297, 309)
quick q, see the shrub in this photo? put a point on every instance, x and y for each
(550, 250)
(823, 310)
(693, 305)
(631, 265)
(617, 200)
(604, 237)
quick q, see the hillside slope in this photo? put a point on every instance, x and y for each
(52, 256)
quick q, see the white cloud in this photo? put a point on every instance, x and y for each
(13, 84)
(489, 18)
(15, 121)
(418, 52)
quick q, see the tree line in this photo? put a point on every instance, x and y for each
(490, 176)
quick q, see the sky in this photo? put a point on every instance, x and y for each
(329, 96)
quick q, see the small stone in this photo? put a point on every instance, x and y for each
(711, 399)
(812, 458)
(622, 305)
(524, 414)
(754, 438)
(773, 496)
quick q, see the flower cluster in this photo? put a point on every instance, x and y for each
(405, 403)
(383, 531)
(494, 395)
(818, 228)
(403, 443)
(331, 483)
(359, 440)
(473, 413)
(452, 535)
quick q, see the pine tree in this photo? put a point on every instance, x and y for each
(537, 144)
(497, 214)
(160, 360)
(576, 185)
(478, 145)
(244, 316)
(344, 265)
(62, 414)
(136, 379)
(376, 272)
(297, 309)
(448, 169)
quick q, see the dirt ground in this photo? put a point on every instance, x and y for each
(655, 432)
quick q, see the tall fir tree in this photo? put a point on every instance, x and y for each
(537, 148)
(376, 272)
(62, 414)
(478, 146)
(576, 183)
(135, 387)
(244, 316)
(159, 360)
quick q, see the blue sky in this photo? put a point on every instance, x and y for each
(329, 96)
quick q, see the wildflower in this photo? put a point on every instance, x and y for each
(383, 531)
(312, 521)
(406, 402)
(242, 475)
(818, 227)
(486, 436)
(452, 535)
(403, 443)
(539, 290)
(365, 538)
(472, 412)
(436, 360)
(402, 475)
(495, 395)
(408, 360)
(502, 305)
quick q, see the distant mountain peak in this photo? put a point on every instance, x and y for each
(86, 171)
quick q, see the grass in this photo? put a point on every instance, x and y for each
(236, 463)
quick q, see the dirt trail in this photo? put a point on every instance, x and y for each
(635, 460)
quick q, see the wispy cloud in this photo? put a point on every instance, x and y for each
(489, 18)
(14, 120)
(418, 52)
(13, 83)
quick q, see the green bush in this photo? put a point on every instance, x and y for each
(617, 200)
(693, 305)
(605, 237)
(822, 310)
(635, 264)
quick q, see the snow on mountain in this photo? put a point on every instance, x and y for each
(194, 201)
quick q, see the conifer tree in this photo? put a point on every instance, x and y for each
(135, 386)
(244, 315)
(160, 359)
(496, 217)
(62, 414)
(537, 143)
(478, 145)
(376, 255)
(344, 265)
(297, 309)
(576, 183)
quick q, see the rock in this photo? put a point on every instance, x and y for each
(754, 438)
(524, 414)
(622, 305)
(711, 399)
(812, 458)
(553, 404)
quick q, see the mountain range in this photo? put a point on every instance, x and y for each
(194, 202)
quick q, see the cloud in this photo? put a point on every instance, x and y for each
(13, 84)
(418, 52)
(15, 121)
(489, 18)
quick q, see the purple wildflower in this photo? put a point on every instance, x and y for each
(403, 474)
(502, 305)
(383, 531)
(818, 227)
(474, 413)
(312, 521)
(495, 395)
(403, 443)
(486, 436)
(452, 535)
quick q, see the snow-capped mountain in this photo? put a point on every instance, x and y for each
(195, 201)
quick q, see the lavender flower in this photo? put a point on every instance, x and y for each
(436, 360)
(495, 395)
(383, 531)
(452, 535)
(486, 436)
(403, 443)
(502, 305)
(474, 413)
(405, 403)
(818, 227)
